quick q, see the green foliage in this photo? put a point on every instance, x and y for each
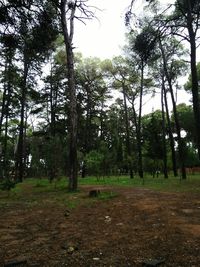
(182, 6)
(145, 43)
(102, 135)
(188, 84)
(186, 120)
(191, 156)
(152, 135)
(7, 185)
(94, 161)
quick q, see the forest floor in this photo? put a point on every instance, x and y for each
(123, 227)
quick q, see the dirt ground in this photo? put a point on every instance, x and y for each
(138, 227)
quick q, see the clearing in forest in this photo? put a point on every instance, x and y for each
(123, 226)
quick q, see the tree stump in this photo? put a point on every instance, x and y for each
(94, 193)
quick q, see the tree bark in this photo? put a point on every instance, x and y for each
(19, 165)
(87, 130)
(53, 101)
(128, 146)
(164, 132)
(140, 163)
(5, 112)
(171, 138)
(68, 37)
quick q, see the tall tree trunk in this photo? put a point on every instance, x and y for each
(5, 161)
(5, 111)
(194, 76)
(128, 146)
(178, 129)
(140, 163)
(164, 132)
(52, 170)
(68, 37)
(171, 138)
(102, 121)
(3, 107)
(138, 141)
(87, 130)
(19, 166)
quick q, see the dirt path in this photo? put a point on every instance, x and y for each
(136, 226)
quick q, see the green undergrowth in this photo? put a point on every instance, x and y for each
(41, 192)
(172, 184)
(34, 192)
(107, 195)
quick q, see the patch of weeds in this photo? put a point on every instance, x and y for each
(72, 204)
(39, 185)
(6, 185)
(107, 195)
(69, 199)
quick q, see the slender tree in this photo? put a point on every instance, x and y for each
(68, 10)
(164, 131)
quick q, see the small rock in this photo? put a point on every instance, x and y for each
(187, 211)
(152, 263)
(67, 213)
(70, 250)
(107, 219)
(96, 259)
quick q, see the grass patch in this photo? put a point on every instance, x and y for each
(172, 184)
(34, 192)
(107, 195)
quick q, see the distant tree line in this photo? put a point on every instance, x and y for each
(58, 114)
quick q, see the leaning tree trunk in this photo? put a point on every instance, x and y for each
(68, 37)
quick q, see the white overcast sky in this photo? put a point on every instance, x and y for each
(104, 37)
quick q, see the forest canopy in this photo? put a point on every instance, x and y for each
(63, 114)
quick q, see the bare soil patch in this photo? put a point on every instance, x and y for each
(134, 227)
